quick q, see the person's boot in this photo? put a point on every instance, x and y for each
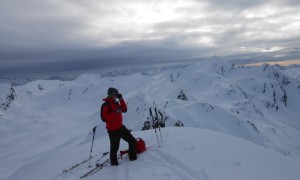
(114, 163)
(132, 155)
(113, 160)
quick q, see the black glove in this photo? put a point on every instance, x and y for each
(119, 110)
(119, 96)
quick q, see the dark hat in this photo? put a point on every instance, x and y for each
(111, 91)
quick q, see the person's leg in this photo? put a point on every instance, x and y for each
(128, 137)
(114, 137)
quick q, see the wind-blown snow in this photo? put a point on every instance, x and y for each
(245, 123)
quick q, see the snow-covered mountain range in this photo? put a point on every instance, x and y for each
(237, 120)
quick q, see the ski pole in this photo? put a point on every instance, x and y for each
(160, 133)
(161, 121)
(154, 125)
(94, 132)
(157, 137)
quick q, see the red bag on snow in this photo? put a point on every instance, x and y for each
(140, 147)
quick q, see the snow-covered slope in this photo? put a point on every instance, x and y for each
(293, 71)
(186, 153)
(257, 104)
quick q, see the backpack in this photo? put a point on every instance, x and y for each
(140, 147)
(106, 103)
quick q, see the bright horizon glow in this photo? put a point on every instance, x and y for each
(282, 63)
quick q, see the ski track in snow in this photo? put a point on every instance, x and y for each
(175, 166)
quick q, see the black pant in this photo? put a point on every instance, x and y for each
(115, 137)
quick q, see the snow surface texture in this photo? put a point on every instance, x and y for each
(245, 121)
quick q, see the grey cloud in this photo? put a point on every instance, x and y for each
(231, 29)
(38, 24)
(138, 53)
(244, 4)
(48, 34)
(237, 3)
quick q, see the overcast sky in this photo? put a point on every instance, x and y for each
(73, 34)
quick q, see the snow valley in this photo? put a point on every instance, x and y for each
(222, 122)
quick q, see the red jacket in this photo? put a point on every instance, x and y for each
(112, 113)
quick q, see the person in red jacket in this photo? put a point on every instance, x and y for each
(112, 113)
